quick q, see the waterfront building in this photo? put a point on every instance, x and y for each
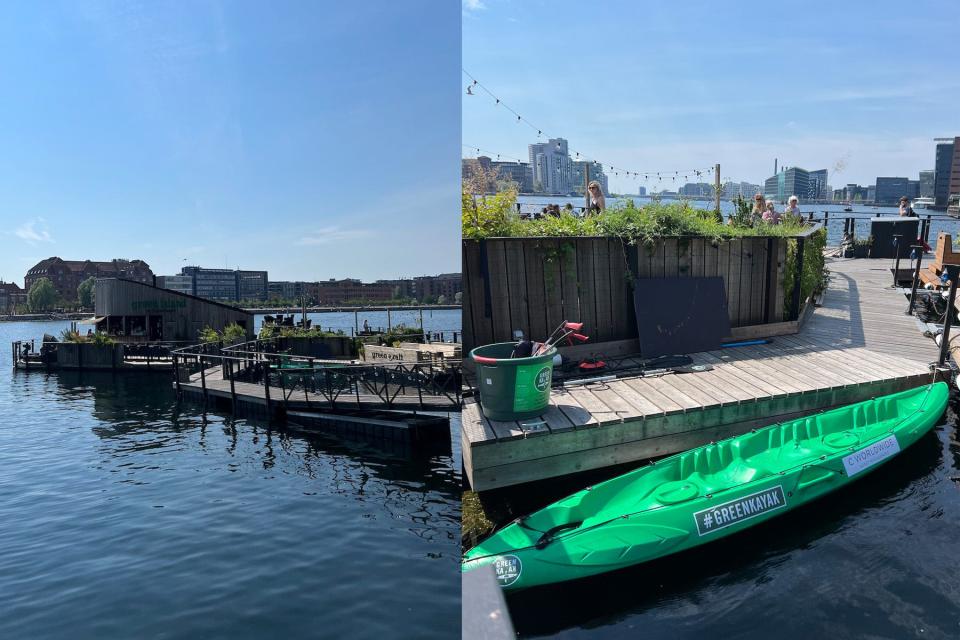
(447, 285)
(517, 172)
(817, 188)
(137, 312)
(953, 184)
(252, 285)
(551, 165)
(790, 181)
(926, 183)
(943, 168)
(11, 295)
(871, 194)
(180, 283)
(285, 289)
(697, 189)
(890, 190)
(745, 190)
(641, 191)
(229, 285)
(913, 189)
(66, 275)
(470, 167)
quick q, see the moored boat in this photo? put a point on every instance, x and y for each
(706, 493)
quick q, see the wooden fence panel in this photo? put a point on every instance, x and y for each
(534, 284)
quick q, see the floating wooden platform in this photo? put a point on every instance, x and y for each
(857, 345)
(407, 417)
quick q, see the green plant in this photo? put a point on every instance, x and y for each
(815, 274)
(863, 242)
(401, 333)
(209, 334)
(68, 335)
(102, 339)
(233, 333)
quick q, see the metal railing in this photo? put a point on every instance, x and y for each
(338, 384)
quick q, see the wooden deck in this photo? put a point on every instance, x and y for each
(857, 345)
(250, 393)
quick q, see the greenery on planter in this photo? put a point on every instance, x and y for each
(495, 216)
(815, 274)
(233, 333)
(401, 333)
(99, 339)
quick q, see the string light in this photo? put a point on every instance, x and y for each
(577, 154)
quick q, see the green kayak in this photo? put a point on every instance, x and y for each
(706, 493)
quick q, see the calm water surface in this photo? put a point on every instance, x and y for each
(124, 516)
(878, 559)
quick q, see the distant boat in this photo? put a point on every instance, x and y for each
(848, 208)
(923, 203)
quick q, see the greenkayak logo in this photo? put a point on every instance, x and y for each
(543, 379)
(734, 511)
(507, 570)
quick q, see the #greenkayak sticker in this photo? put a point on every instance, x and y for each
(735, 511)
(507, 570)
(869, 456)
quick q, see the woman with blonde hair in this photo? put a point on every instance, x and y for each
(759, 207)
(597, 203)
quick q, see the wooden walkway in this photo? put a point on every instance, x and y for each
(858, 344)
(250, 393)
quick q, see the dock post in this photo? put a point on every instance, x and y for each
(918, 248)
(233, 391)
(896, 264)
(797, 281)
(176, 374)
(954, 272)
(926, 231)
(266, 387)
(203, 380)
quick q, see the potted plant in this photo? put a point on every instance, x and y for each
(861, 247)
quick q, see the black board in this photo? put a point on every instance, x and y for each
(680, 315)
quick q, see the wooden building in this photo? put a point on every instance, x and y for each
(136, 311)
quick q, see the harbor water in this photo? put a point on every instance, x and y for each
(123, 515)
(939, 220)
(877, 559)
(445, 321)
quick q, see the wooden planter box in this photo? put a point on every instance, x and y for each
(79, 355)
(327, 347)
(534, 284)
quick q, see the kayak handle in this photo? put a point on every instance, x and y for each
(549, 534)
(484, 360)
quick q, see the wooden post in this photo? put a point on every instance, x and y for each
(203, 380)
(716, 187)
(176, 373)
(266, 387)
(586, 188)
(356, 321)
(388, 319)
(896, 264)
(233, 391)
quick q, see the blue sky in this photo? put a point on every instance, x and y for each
(858, 88)
(311, 139)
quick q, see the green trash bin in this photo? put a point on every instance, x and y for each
(512, 388)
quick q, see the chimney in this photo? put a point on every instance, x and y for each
(774, 166)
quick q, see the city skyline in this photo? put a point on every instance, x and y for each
(877, 115)
(234, 134)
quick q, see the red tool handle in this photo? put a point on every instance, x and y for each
(484, 360)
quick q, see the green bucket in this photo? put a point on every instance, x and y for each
(512, 388)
